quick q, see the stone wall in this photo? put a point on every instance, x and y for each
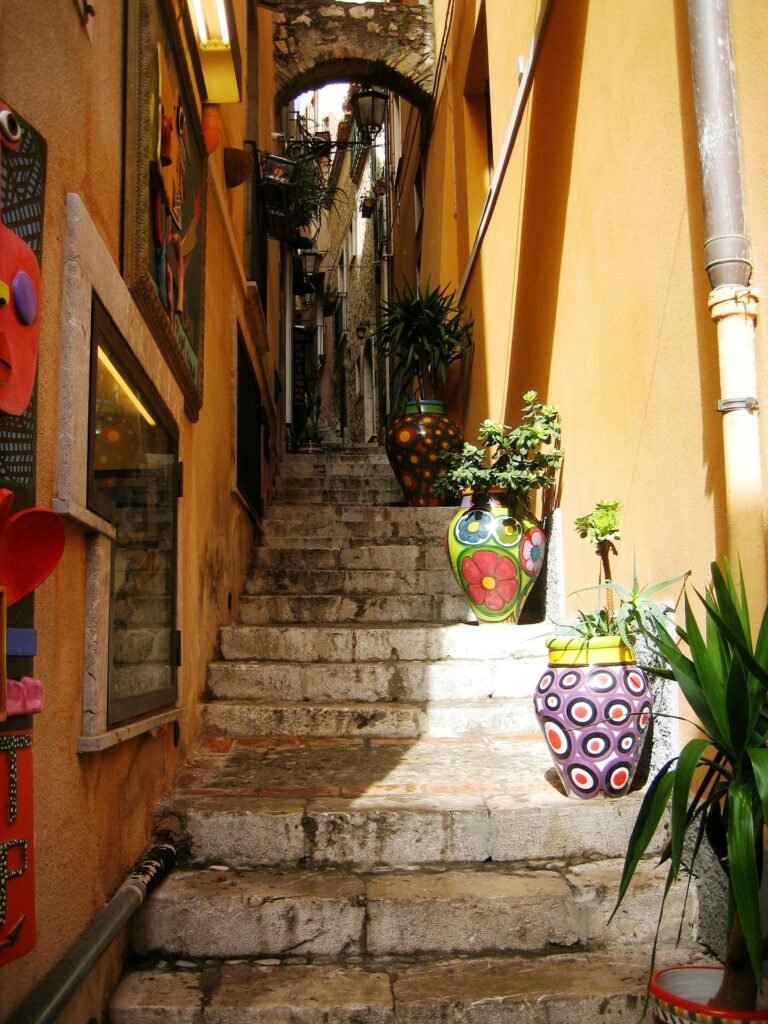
(390, 45)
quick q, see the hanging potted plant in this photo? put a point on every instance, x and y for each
(715, 791)
(495, 543)
(423, 331)
(368, 206)
(593, 703)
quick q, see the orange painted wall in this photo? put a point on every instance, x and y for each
(94, 813)
(589, 285)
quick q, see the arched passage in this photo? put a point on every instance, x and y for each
(391, 45)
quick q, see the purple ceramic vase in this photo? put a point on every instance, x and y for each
(593, 705)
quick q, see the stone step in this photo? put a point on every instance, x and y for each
(401, 557)
(252, 802)
(561, 988)
(341, 469)
(452, 911)
(335, 608)
(319, 493)
(366, 582)
(366, 718)
(371, 643)
(394, 680)
(361, 515)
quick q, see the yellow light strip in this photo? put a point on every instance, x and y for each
(210, 17)
(110, 367)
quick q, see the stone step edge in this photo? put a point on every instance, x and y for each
(576, 987)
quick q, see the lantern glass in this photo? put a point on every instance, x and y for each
(370, 109)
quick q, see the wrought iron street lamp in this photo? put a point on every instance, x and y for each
(370, 108)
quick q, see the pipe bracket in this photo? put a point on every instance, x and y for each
(733, 404)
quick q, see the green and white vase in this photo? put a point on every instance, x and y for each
(496, 551)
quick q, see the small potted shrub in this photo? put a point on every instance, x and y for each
(593, 703)
(422, 331)
(715, 791)
(495, 544)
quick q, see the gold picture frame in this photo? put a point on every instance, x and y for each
(164, 190)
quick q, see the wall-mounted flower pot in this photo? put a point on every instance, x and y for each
(496, 552)
(367, 206)
(414, 442)
(683, 994)
(593, 705)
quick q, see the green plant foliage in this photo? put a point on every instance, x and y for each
(718, 785)
(424, 331)
(602, 525)
(637, 612)
(517, 460)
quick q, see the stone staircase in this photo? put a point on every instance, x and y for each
(375, 833)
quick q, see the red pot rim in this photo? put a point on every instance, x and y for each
(657, 990)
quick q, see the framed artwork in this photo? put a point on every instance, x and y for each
(164, 188)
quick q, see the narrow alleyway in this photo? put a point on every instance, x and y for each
(374, 830)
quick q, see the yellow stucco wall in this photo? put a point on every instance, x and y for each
(589, 285)
(94, 812)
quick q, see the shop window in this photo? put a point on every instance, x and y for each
(133, 484)
(249, 428)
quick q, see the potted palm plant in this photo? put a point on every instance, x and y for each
(495, 543)
(422, 331)
(594, 703)
(716, 787)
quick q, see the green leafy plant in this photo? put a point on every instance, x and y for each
(423, 330)
(636, 611)
(718, 785)
(515, 460)
(603, 528)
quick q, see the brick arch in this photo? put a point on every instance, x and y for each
(387, 44)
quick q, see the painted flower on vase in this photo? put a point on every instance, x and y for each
(475, 527)
(532, 550)
(491, 579)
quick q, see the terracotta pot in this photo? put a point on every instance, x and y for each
(593, 705)
(238, 166)
(211, 127)
(413, 444)
(681, 994)
(496, 552)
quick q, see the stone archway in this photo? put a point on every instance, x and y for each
(386, 44)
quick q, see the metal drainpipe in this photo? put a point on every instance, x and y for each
(44, 1004)
(732, 302)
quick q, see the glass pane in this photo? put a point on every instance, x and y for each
(133, 483)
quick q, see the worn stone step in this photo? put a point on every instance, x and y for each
(561, 988)
(340, 555)
(406, 681)
(360, 515)
(250, 801)
(320, 913)
(344, 468)
(335, 608)
(319, 493)
(371, 643)
(363, 582)
(366, 718)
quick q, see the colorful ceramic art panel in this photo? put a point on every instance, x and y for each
(17, 892)
(595, 720)
(496, 553)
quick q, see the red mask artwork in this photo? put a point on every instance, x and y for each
(20, 293)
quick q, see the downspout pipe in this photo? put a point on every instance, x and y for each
(44, 1004)
(732, 302)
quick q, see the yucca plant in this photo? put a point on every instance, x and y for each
(424, 330)
(717, 787)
